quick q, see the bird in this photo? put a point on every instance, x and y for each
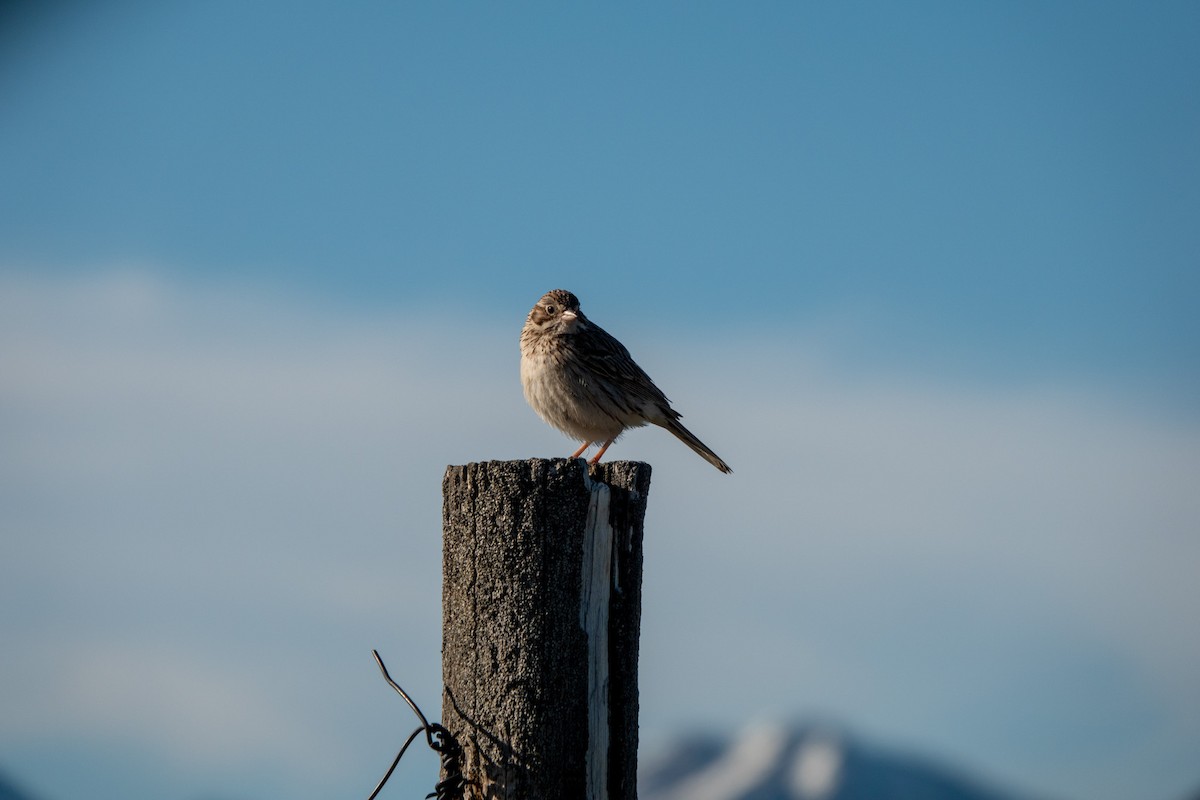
(581, 380)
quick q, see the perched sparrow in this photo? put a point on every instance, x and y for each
(582, 381)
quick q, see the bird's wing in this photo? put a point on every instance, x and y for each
(606, 358)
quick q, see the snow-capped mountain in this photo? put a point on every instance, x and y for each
(776, 762)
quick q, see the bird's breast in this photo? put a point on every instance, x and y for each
(564, 399)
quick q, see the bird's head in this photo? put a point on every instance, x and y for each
(557, 313)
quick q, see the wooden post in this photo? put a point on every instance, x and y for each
(541, 611)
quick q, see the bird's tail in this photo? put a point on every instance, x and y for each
(689, 438)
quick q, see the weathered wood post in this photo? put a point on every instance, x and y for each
(541, 611)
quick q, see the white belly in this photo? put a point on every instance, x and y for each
(567, 404)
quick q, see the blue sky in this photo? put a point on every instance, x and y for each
(924, 275)
(1020, 178)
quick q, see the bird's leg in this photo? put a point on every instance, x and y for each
(602, 449)
(582, 447)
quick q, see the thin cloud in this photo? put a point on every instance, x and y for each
(200, 483)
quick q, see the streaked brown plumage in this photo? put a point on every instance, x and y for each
(581, 380)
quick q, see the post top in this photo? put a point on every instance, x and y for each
(633, 475)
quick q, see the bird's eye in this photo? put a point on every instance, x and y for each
(550, 310)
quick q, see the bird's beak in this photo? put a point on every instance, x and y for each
(569, 316)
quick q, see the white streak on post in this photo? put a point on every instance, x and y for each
(596, 586)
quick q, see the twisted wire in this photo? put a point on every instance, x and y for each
(439, 740)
